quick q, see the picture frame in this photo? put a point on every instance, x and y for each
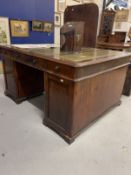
(61, 5)
(57, 19)
(19, 28)
(37, 25)
(4, 31)
(116, 4)
(47, 27)
(122, 15)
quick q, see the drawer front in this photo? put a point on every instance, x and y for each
(42, 64)
(28, 60)
(59, 69)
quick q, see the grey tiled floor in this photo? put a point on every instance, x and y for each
(27, 147)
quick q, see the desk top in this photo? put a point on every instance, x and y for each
(86, 56)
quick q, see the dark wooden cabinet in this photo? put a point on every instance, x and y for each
(87, 13)
(107, 21)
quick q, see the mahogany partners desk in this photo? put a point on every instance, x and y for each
(79, 87)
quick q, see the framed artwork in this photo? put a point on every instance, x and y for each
(47, 27)
(19, 28)
(115, 4)
(121, 3)
(4, 31)
(57, 19)
(129, 17)
(61, 5)
(37, 25)
(107, 21)
(122, 15)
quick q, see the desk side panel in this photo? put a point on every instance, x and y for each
(94, 96)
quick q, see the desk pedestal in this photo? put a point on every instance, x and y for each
(22, 81)
(71, 106)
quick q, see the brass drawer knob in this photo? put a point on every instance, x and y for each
(61, 80)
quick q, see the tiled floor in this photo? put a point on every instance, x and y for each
(27, 147)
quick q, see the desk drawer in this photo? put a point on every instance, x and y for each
(59, 69)
(30, 60)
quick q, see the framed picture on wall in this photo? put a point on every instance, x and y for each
(47, 27)
(19, 28)
(122, 15)
(61, 5)
(4, 31)
(37, 25)
(115, 4)
(57, 19)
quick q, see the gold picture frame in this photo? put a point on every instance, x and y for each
(19, 28)
(37, 25)
(61, 5)
(122, 15)
(48, 27)
(57, 19)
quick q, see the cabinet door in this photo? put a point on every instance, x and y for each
(10, 77)
(58, 102)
